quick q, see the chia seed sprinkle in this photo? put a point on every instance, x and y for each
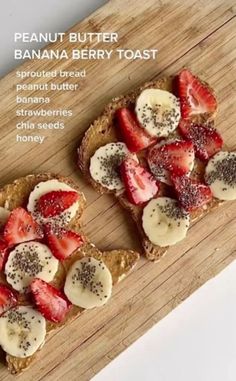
(224, 170)
(104, 164)
(85, 275)
(172, 210)
(29, 263)
(162, 119)
(111, 164)
(15, 316)
(62, 219)
(200, 135)
(192, 195)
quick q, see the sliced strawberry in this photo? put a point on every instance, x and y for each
(195, 96)
(135, 137)
(63, 242)
(50, 301)
(206, 140)
(140, 185)
(191, 194)
(3, 253)
(176, 157)
(21, 227)
(8, 298)
(53, 203)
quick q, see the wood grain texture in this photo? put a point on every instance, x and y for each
(197, 34)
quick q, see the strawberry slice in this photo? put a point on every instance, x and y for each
(206, 140)
(63, 242)
(8, 299)
(50, 301)
(133, 134)
(195, 96)
(3, 253)
(21, 227)
(53, 203)
(191, 194)
(176, 157)
(140, 185)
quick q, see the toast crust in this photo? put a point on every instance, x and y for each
(119, 262)
(103, 131)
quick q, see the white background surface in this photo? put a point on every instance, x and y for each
(197, 341)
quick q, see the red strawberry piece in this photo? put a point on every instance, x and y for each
(135, 137)
(206, 140)
(53, 203)
(50, 301)
(21, 227)
(195, 96)
(140, 185)
(8, 298)
(3, 253)
(63, 242)
(176, 157)
(191, 194)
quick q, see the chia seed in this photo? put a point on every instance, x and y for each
(85, 276)
(173, 211)
(111, 164)
(29, 264)
(224, 170)
(161, 119)
(61, 219)
(14, 316)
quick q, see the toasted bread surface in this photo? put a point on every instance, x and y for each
(102, 131)
(119, 262)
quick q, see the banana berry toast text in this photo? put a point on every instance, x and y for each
(49, 272)
(158, 151)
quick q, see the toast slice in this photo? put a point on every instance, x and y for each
(119, 262)
(103, 131)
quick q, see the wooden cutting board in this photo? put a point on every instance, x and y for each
(197, 34)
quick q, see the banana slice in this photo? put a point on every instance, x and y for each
(88, 283)
(23, 331)
(28, 261)
(221, 175)
(45, 187)
(4, 214)
(104, 165)
(158, 111)
(164, 222)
